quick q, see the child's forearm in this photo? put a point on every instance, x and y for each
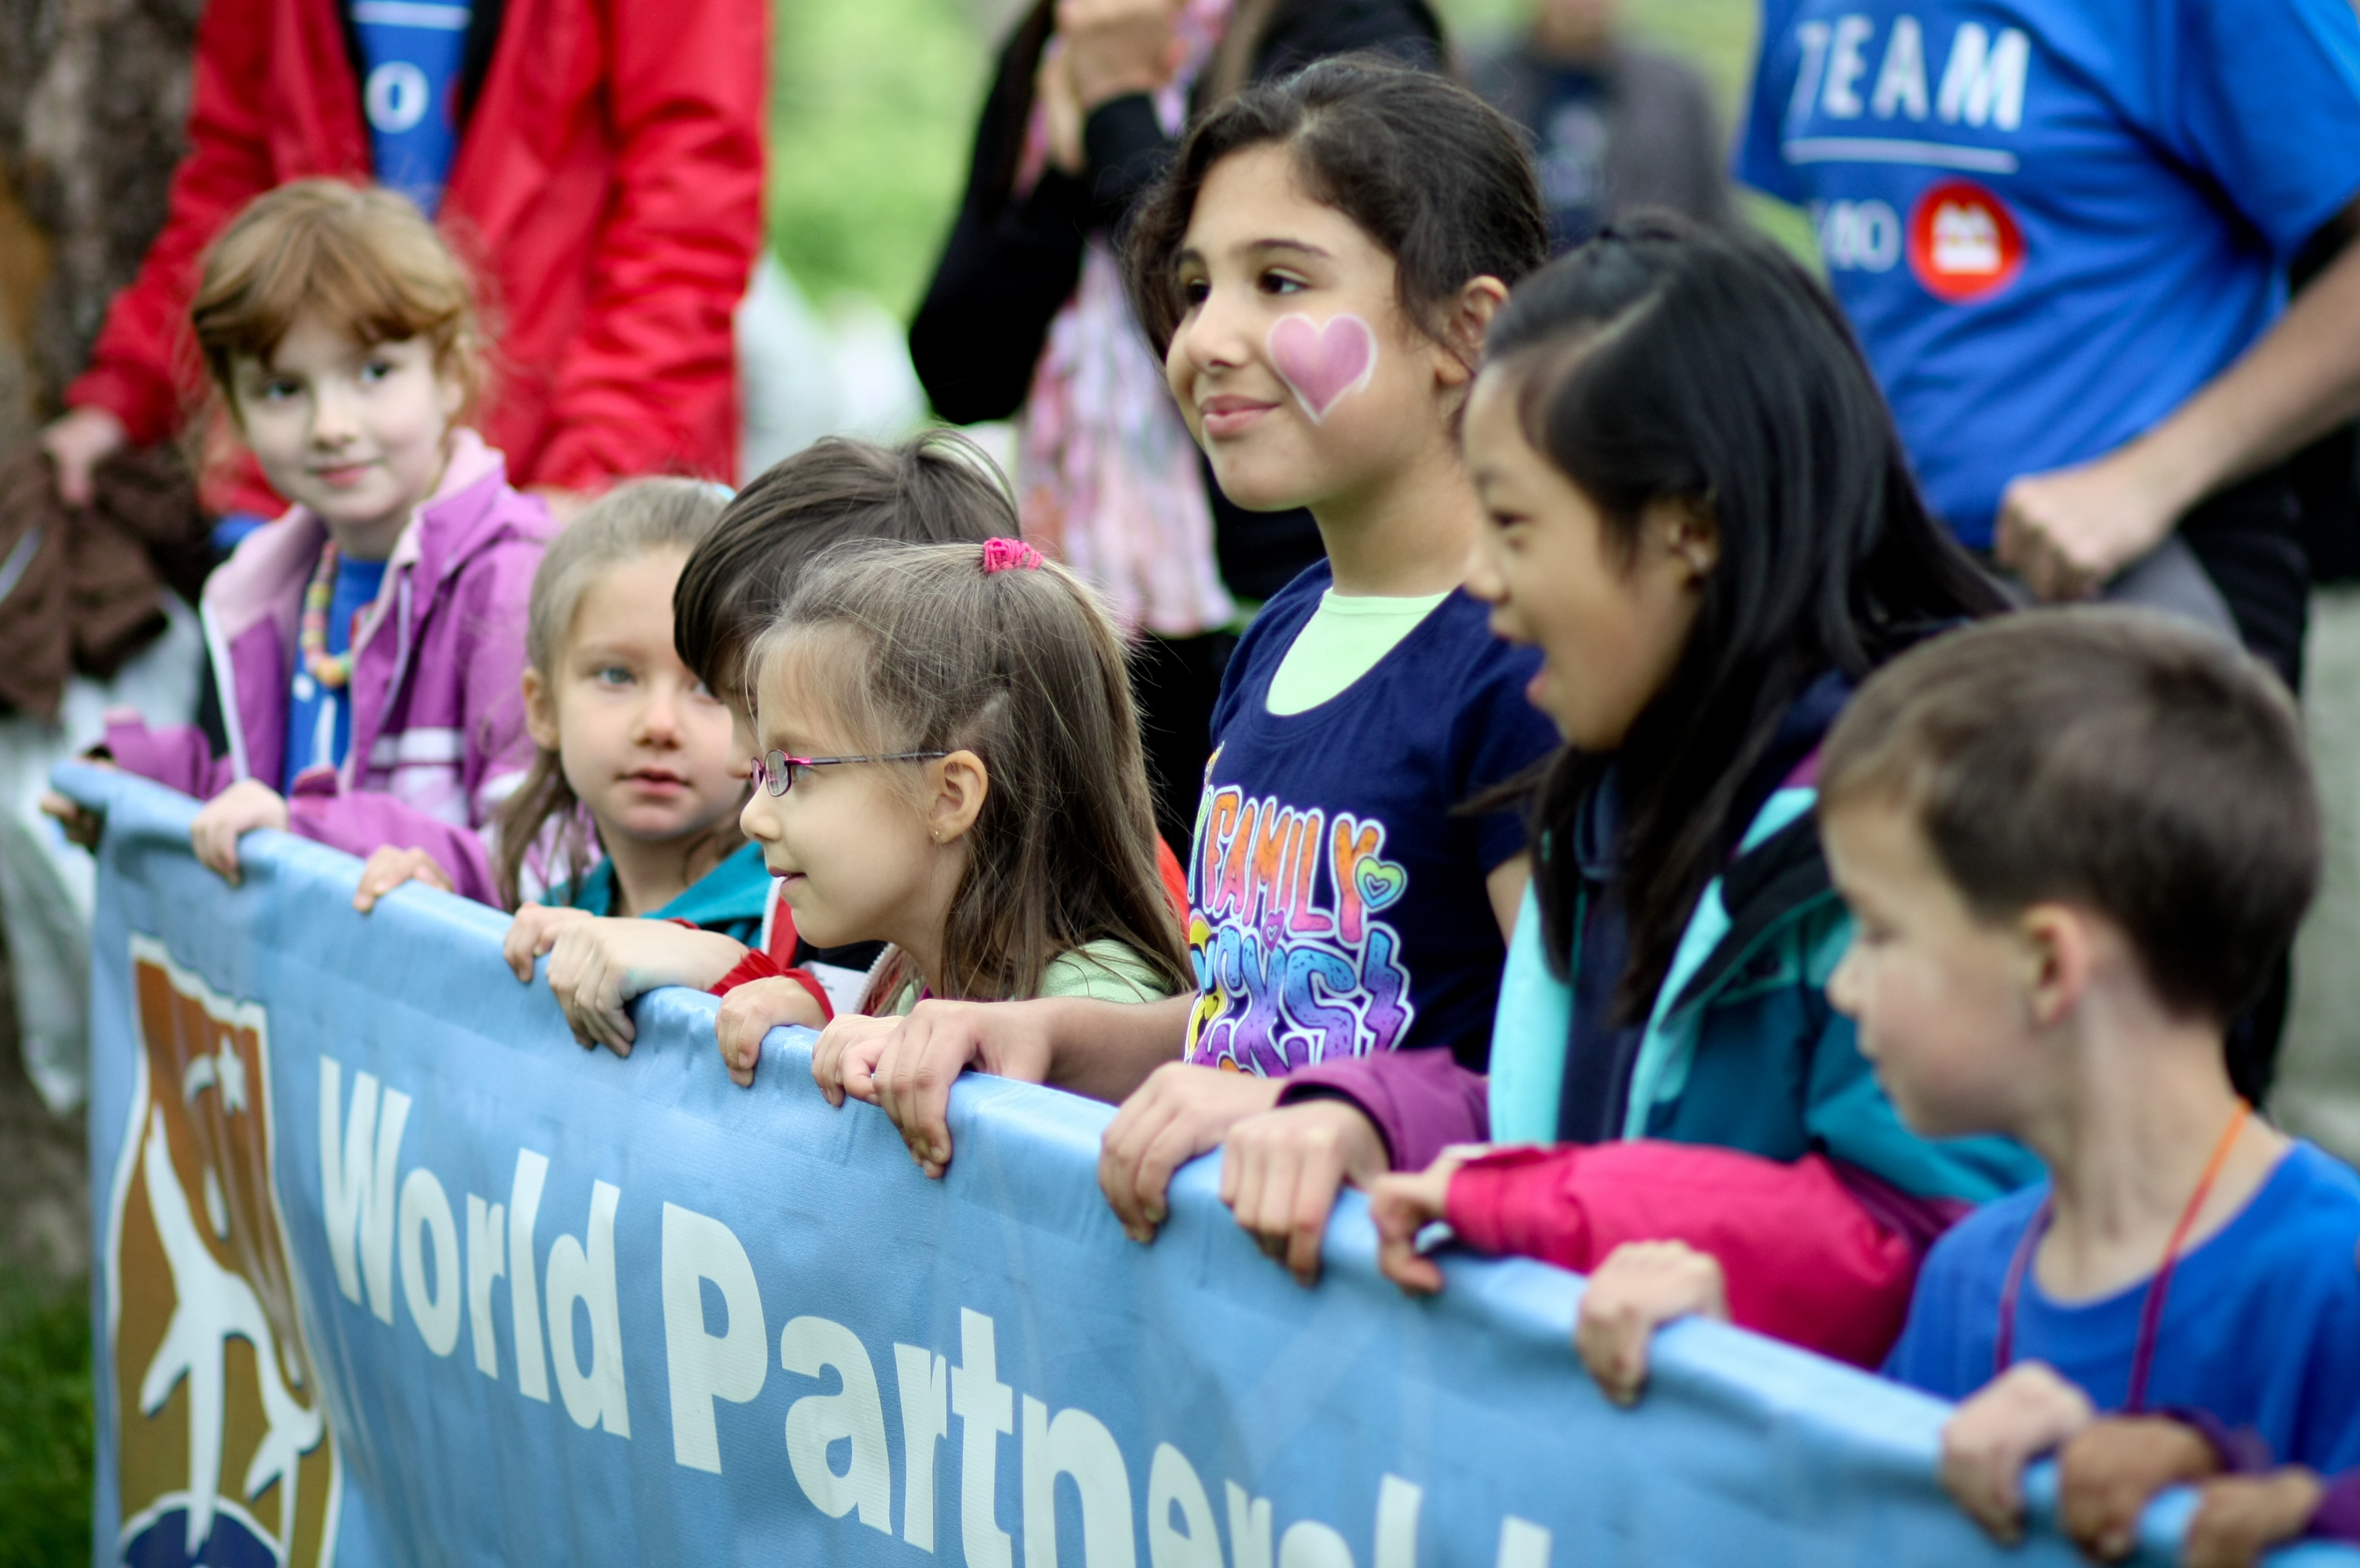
(1105, 1050)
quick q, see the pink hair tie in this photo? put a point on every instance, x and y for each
(1001, 554)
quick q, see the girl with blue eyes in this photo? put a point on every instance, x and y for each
(631, 805)
(366, 648)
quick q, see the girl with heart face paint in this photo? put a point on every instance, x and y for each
(1318, 268)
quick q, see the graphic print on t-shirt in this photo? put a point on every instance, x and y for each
(1294, 962)
(2052, 221)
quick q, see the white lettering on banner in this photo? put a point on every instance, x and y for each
(986, 1409)
(1249, 1528)
(1846, 66)
(1307, 1543)
(1984, 82)
(808, 1346)
(1173, 1483)
(703, 1367)
(586, 1275)
(1523, 1544)
(426, 1209)
(1901, 79)
(356, 1164)
(524, 1283)
(1397, 1505)
(486, 1223)
(1076, 1444)
(925, 1381)
(1863, 236)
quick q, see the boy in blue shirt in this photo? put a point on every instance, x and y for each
(2075, 843)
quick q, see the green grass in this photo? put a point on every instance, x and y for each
(45, 1427)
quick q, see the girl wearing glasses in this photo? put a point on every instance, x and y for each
(951, 764)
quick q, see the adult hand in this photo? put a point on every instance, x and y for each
(391, 866)
(751, 1011)
(2026, 1412)
(1118, 47)
(2108, 1474)
(1642, 1285)
(1182, 1111)
(2067, 532)
(1052, 89)
(1405, 1203)
(2238, 1518)
(597, 966)
(924, 1055)
(77, 441)
(239, 809)
(534, 933)
(1281, 1168)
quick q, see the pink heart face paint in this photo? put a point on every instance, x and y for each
(1322, 365)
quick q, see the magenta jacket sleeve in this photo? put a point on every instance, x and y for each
(1421, 1101)
(1804, 1261)
(363, 822)
(2338, 1517)
(175, 757)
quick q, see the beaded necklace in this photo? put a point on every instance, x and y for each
(332, 670)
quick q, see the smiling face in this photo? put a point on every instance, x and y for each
(357, 432)
(1939, 997)
(860, 854)
(644, 745)
(1293, 366)
(1610, 629)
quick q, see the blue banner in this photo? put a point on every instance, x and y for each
(393, 1271)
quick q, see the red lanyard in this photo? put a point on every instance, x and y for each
(2151, 1307)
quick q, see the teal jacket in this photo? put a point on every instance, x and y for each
(1742, 1049)
(732, 898)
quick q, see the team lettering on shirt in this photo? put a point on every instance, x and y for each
(1287, 977)
(1862, 97)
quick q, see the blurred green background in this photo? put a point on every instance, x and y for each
(873, 105)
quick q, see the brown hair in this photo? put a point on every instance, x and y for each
(365, 257)
(646, 517)
(916, 648)
(2108, 758)
(937, 488)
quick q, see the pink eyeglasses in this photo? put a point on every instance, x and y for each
(775, 770)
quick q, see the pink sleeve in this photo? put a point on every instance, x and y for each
(363, 822)
(176, 756)
(1805, 1262)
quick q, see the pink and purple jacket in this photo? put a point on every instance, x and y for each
(438, 732)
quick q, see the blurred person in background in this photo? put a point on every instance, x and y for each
(2062, 233)
(600, 166)
(1615, 126)
(1026, 319)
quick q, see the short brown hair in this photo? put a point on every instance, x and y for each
(2108, 758)
(918, 648)
(365, 257)
(937, 488)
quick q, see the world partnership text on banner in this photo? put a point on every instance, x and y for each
(392, 1272)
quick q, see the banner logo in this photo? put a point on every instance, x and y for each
(224, 1452)
(1964, 244)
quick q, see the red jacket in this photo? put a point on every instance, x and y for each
(608, 189)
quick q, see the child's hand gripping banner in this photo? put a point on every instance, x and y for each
(392, 1271)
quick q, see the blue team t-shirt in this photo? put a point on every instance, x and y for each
(320, 720)
(414, 52)
(2261, 1326)
(2051, 222)
(1336, 904)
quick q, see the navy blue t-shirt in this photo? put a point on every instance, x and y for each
(1336, 904)
(415, 51)
(320, 720)
(2052, 221)
(2261, 1326)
